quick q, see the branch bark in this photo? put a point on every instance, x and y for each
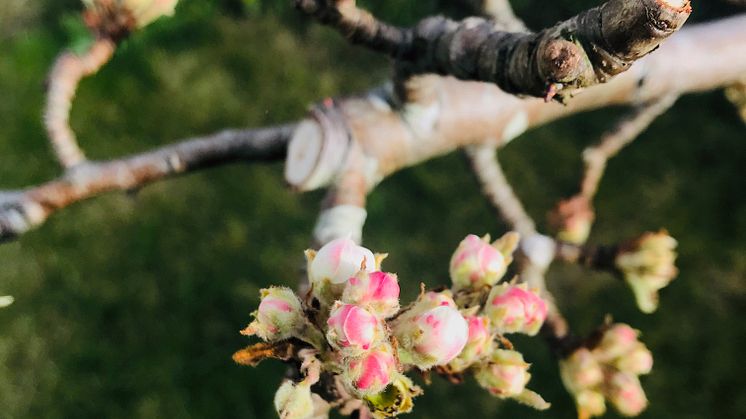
(22, 210)
(582, 51)
(497, 189)
(68, 70)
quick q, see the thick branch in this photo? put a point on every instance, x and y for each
(69, 69)
(583, 51)
(23, 210)
(497, 189)
(446, 114)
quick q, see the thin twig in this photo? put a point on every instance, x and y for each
(68, 70)
(497, 189)
(626, 131)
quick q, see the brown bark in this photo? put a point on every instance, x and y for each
(582, 51)
(23, 210)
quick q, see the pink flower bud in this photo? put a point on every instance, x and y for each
(476, 263)
(581, 371)
(515, 309)
(433, 337)
(478, 344)
(377, 291)
(638, 360)
(505, 374)
(279, 315)
(372, 372)
(572, 218)
(616, 341)
(338, 261)
(352, 328)
(626, 394)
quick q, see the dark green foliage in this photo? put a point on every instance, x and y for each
(130, 306)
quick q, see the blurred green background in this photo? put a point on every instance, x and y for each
(129, 305)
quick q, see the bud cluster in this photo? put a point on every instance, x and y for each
(610, 371)
(647, 264)
(353, 320)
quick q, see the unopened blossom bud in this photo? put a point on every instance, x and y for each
(376, 291)
(334, 264)
(371, 372)
(353, 328)
(479, 343)
(590, 403)
(515, 309)
(638, 360)
(505, 374)
(476, 263)
(434, 337)
(581, 371)
(425, 302)
(279, 315)
(294, 401)
(626, 394)
(616, 341)
(572, 219)
(647, 264)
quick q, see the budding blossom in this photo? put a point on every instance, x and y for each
(479, 343)
(352, 328)
(279, 315)
(505, 374)
(432, 332)
(476, 264)
(294, 401)
(638, 360)
(608, 372)
(515, 309)
(376, 291)
(371, 372)
(334, 264)
(647, 264)
(616, 341)
(572, 218)
(626, 394)
(581, 371)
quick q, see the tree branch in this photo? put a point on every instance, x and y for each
(445, 114)
(621, 135)
(583, 51)
(22, 210)
(497, 189)
(457, 114)
(68, 70)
